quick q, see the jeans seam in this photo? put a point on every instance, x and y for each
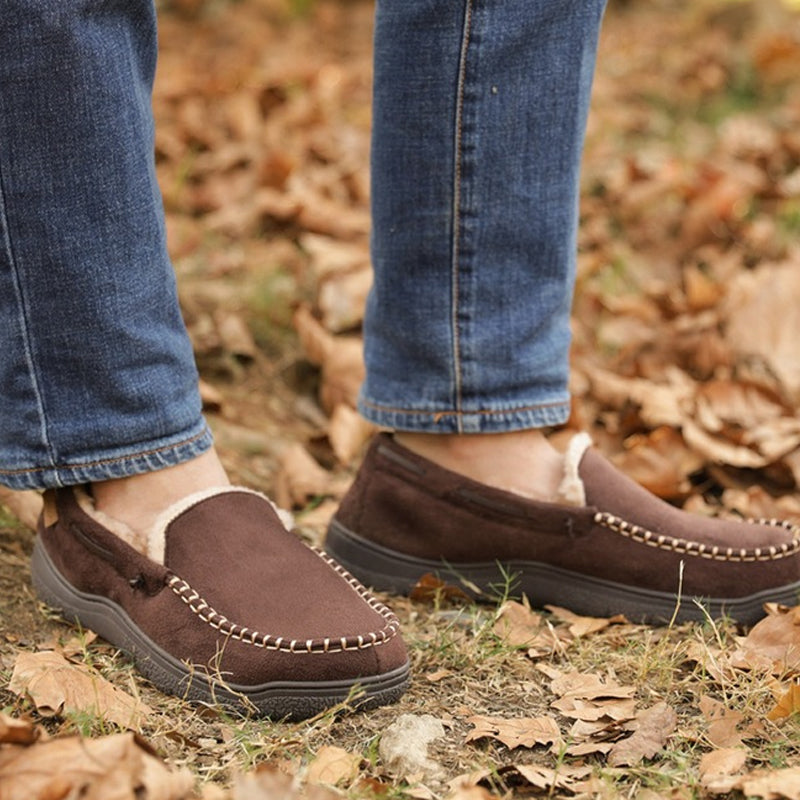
(103, 461)
(23, 320)
(458, 146)
(459, 412)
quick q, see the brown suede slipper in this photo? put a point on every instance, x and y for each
(230, 608)
(614, 549)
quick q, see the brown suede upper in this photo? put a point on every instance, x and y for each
(623, 534)
(238, 595)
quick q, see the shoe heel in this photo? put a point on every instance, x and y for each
(375, 566)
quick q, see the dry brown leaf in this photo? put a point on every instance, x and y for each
(660, 461)
(763, 317)
(343, 298)
(659, 404)
(429, 588)
(778, 784)
(211, 397)
(348, 432)
(737, 403)
(719, 768)
(234, 335)
(270, 782)
(516, 624)
(594, 710)
(438, 675)
(316, 342)
(541, 778)
(299, 478)
(333, 765)
(701, 290)
(583, 626)
(330, 256)
(342, 373)
(723, 722)
(787, 705)
(57, 686)
(471, 793)
(24, 505)
(17, 731)
(110, 768)
(654, 726)
(589, 687)
(520, 732)
(720, 450)
(773, 643)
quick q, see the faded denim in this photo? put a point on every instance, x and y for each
(97, 377)
(478, 125)
(479, 115)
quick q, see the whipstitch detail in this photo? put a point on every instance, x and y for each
(279, 643)
(700, 550)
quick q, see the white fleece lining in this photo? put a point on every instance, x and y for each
(156, 540)
(137, 540)
(571, 489)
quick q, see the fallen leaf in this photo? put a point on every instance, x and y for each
(343, 298)
(722, 723)
(594, 710)
(348, 432)
(438, 675)
(333, 765)
(583, 626)
(719, 449)
(471, 793)
(659, 461)
(654, 726)
(773, 643)
(57, 686)
(17, 731)
(299, 478)
(429, 588)
(565, 777)
(516, 624)
(117, 766)
(763, 316)
(235, 336)
(778, 784)
(719, 768)
(24, 505)
(588, 687)
(520, 732)
(787, 705)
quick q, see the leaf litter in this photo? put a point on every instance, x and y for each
(685, 372)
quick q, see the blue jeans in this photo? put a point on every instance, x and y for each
(478, 125)
(97, 377)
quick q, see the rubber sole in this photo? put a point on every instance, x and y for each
(391, 571)
(291, 700)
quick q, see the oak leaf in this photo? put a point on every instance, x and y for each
(56, 686)
(654, 726)
(520, 732)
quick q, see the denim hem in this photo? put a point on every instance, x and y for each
(118, 463)
(501, 420)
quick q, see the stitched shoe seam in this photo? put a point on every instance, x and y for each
(642, 535)
(267, 641)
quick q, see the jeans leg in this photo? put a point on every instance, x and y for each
(97, 377)
(478, 124)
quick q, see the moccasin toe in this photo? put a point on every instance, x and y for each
(618, 550)
(232, 608)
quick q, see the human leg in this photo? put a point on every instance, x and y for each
(466, 340)
(215, 599)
